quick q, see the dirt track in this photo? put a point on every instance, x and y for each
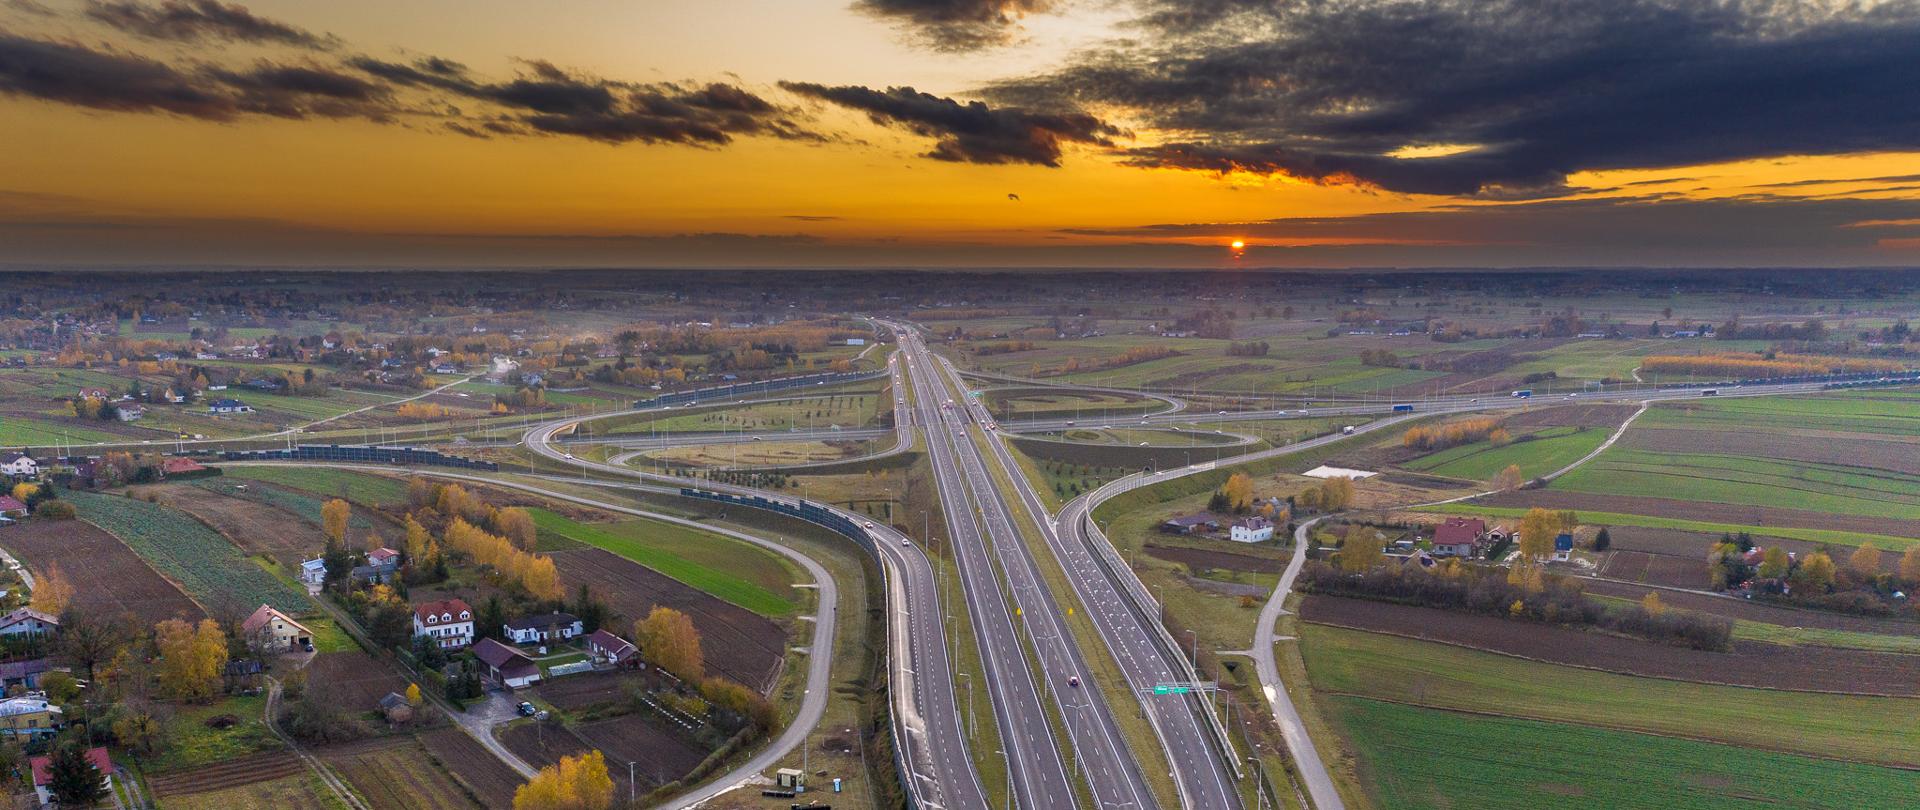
(1759, 665)
(1760, 516)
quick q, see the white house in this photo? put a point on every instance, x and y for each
(276, 630)
(314, 572)
(28, 622)
(543, 629)
(18, 464)
(1255, 529)
(449, 622)
(228, 406)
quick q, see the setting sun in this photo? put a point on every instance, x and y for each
(1239, 244)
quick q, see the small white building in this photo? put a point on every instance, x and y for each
(228, 406)
(1255, 529)
(449, 622)
(543, 629)
(18, 464)
(314, 572)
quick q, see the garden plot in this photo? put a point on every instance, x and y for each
(107, 576)
(213, 570)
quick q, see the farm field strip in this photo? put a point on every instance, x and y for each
(197, 557)
(1866, 729)
(1743, 480)
(1607, 518)
(1525, 764)
(1548, 450)
(373, 490)
(648, 544)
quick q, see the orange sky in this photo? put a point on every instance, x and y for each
(260, 189)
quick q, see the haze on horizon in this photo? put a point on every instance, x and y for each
(961, 133)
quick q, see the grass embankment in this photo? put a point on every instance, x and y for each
(1866, 729)
(737, 572)
(1425, 758)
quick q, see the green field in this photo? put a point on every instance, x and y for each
(17, 432)
(371, 490)
(1547, 451)
(211, 569)
(1828, 536)
(1752, 481)
(1417, 758)
(1868, 729)
(1884, 411)
(745, 575)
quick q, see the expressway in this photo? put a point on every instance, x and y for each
(937, 768)
(1036, 768)
(1144, 653)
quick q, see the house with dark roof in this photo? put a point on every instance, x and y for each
(544, 628)
(1188, 524)
(609, 648)
(506, 665)
(1563, 547)
(228, 406)
(19, 465)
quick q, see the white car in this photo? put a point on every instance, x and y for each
(868, 524)
(906, 541)
(568, 455)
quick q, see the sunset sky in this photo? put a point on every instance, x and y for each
(960, 132)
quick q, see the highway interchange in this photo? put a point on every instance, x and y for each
(1034, 669)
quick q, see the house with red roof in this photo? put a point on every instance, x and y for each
(12, 507)
(43, 773)
(449, 622)
(1459, 537)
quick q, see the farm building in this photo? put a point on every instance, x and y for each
(1188, 524)
(544, 628)
(275, 630)
(28, 622)
(1459, 537)
(610, 648)
(449, 622)
(506, 664)
(12, 507)
(1255, 529)
(1563, 547)
(42, 768)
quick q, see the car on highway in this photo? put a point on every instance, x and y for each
(756, 438)
(1073, 681)
(568, 455)
(868, 524)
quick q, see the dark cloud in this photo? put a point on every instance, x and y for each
(196, 20)
(71, 74)
(957, 25)
(1325, 91)
(301, 91)
(549, 99)
(971, 132)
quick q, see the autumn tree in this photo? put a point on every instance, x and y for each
(516, 524)
(578, 782)
(541, 578)
(1537, 530)
(1774, 563)
(1865, 561)
(1815, 572)
(51, 591)
(25, 491)
(1239, 492)
(1910, 564)
(1652, 605)
(1360, 551)
(413, 695)
(669, 640)
(419, 544)
(1508, 478)
(192, 658)
(333, 520)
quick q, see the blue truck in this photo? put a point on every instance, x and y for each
(1524, 393)
(1402, 408)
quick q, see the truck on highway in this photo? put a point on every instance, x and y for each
(1523, 393)
(1348, 430)
(1709, 392)
(1403, 409)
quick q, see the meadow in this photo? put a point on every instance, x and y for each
(1425, 758)
(737, 572)
(1733, 479)
(372, 490)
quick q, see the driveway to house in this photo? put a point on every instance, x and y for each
(480, 719)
